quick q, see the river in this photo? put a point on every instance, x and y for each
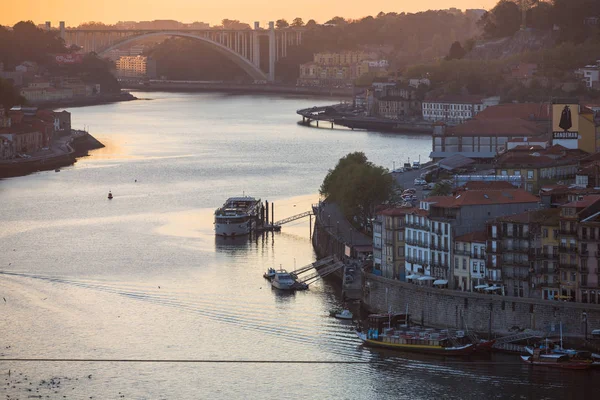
(142, 277)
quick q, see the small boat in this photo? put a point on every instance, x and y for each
(57, 170)
(557, 361)
(282, 280)
(344, 314)
(110, 196)
(408, 341)
(270, 274)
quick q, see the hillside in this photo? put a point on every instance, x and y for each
(525, 41)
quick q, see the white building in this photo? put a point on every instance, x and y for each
(428, 245)
(456, 109)
(590, 74)
(469, 260)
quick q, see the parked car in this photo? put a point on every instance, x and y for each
(429, 186)
(420, 182)
(416, 165)
(409, 191)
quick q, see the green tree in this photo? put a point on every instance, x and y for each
(456, 52)
(311, 23)
(281, 23)
(9, 95)
(297, 22)
(501, 21)
(441, 189)
(356, 185)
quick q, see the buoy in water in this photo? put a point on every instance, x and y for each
(110, 196)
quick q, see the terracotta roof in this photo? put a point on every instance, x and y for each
(478, 237)
(457, 99)
(497, 127)
(488, 185)
(418, 211)
(583, 203)
(539, 111)
(396, 211)
(549, 216)
(482, 197)
(524, 147)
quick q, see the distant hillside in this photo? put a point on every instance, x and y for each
(526, 41)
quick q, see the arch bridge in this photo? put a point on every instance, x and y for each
(240, 46)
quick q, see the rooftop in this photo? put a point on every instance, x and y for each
(583, 203)
(478, 237)
(497, 127)
(526, 111)
(457, 99)
(488, 185)
(483, 197)
(549, 216)
(396, 211)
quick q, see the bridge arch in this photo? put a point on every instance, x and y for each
(251, 69)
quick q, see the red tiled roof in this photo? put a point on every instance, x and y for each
(584, 203)
(456, 99)
(396, 211)
(497, 127)
(539, 111)
(549, 216)
(482, 197)
(478, 237)
(524, 147)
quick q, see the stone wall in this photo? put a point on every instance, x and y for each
(445, 308)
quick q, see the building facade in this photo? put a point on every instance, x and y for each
(455, 109)
(136, 67)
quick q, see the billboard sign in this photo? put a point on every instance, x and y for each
(565, 121)
(67, 59)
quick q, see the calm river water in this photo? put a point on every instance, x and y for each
(143, 277)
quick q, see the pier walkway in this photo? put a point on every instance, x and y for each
(322, 268)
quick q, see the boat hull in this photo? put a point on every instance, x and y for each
(232, 229)
(459, 351)
(553, 364)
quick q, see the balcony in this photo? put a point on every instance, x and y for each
(546, 271)
(462, 252)
(478, 256)
(546, 256)
(568, 232)
(440, 247)
(567, 249)
(568, 265)
(416, 260)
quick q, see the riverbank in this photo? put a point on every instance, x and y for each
(63, 152)
(345, 115)
(243, 88)
(87, 101)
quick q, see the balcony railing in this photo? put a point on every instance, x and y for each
(568, 265)
(478, 256)
(546, 256)
(462, 252)
(567, 249)
(570, 232)
(416, 260)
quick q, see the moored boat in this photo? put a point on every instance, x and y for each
(409, 341)
(270, 274)
(284, 280)
(237, 217)
(562, 361)
(344, 314)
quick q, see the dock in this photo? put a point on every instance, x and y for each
(311, 273)
(264, 224)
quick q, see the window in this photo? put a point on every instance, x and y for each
(573, 277)
(400, 236)
(517, 173)
(504, 173)
(555, 234)
(456, 263)
(464, 264)
(530, 174)
(401, 251)
(545, 232)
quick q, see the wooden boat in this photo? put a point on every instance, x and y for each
(405, 342)
(562, 361)
(344, 314)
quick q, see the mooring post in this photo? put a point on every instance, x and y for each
(272, 213)
(310, 225)
(266, 212)
(317, 123)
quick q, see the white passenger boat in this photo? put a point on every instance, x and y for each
(237, 217)
(283, 280)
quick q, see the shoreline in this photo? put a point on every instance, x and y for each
(66, 151)
(241, 88)
(86, 101)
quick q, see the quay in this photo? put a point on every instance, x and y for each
(341, 115)
(64, 151)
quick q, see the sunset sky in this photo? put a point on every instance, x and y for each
(111, 11)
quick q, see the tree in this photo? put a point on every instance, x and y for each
(441, 189)
(336, 21)
(281, 23)
(298, 22)
(356, 185)
(502, 21)
(456, 52)
(311, 23)
(9, 96)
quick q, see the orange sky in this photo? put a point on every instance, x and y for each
(111, 11)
